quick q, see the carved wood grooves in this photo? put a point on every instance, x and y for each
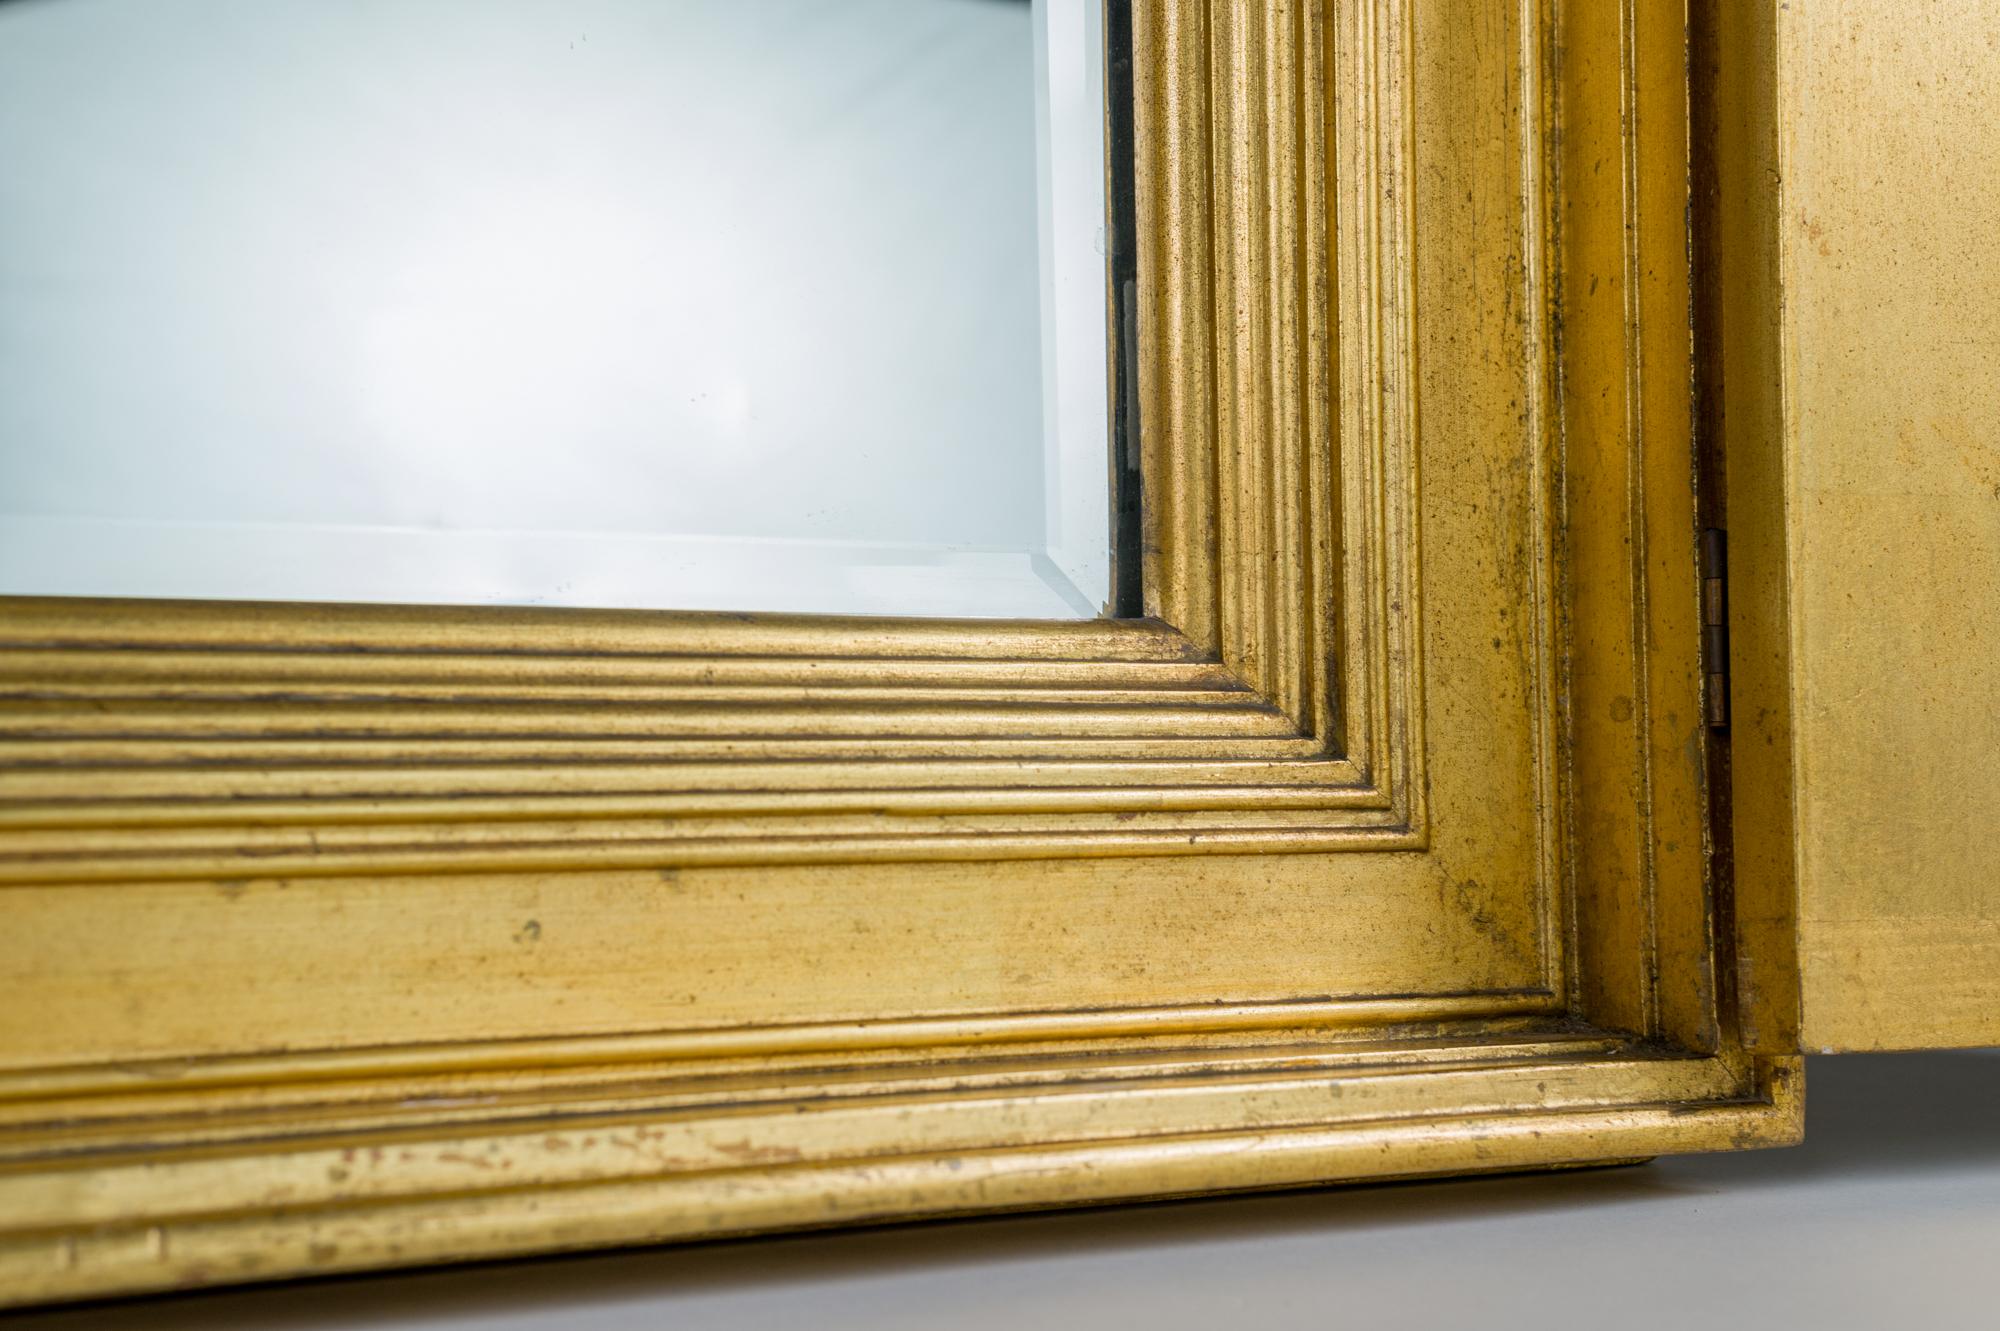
(1268, 703)
(292, 1190)
(39, 1099)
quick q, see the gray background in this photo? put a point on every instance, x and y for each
(1889, 1217)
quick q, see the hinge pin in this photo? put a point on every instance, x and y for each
(1715, 625)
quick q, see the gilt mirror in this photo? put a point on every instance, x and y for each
(767, 306)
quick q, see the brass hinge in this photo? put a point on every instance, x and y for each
(1715, 625)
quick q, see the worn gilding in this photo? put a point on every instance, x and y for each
(341, 937)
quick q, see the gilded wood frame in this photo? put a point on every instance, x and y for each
(1272, 702)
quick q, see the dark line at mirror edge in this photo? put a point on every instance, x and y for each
(1128, 597)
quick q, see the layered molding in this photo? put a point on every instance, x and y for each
(1269, 703)
(569, 1066)
(1650, 914)
(167, 1197)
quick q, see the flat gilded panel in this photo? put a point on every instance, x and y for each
(1866, 546)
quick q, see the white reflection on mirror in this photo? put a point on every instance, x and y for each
(702, 304)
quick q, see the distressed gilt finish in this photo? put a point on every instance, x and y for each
(345, 937)
(1860, 188)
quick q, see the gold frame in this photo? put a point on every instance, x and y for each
(1271, 703)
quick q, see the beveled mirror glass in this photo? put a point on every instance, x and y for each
(679, 304)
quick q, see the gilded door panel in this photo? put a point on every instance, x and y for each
(1863, 433)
